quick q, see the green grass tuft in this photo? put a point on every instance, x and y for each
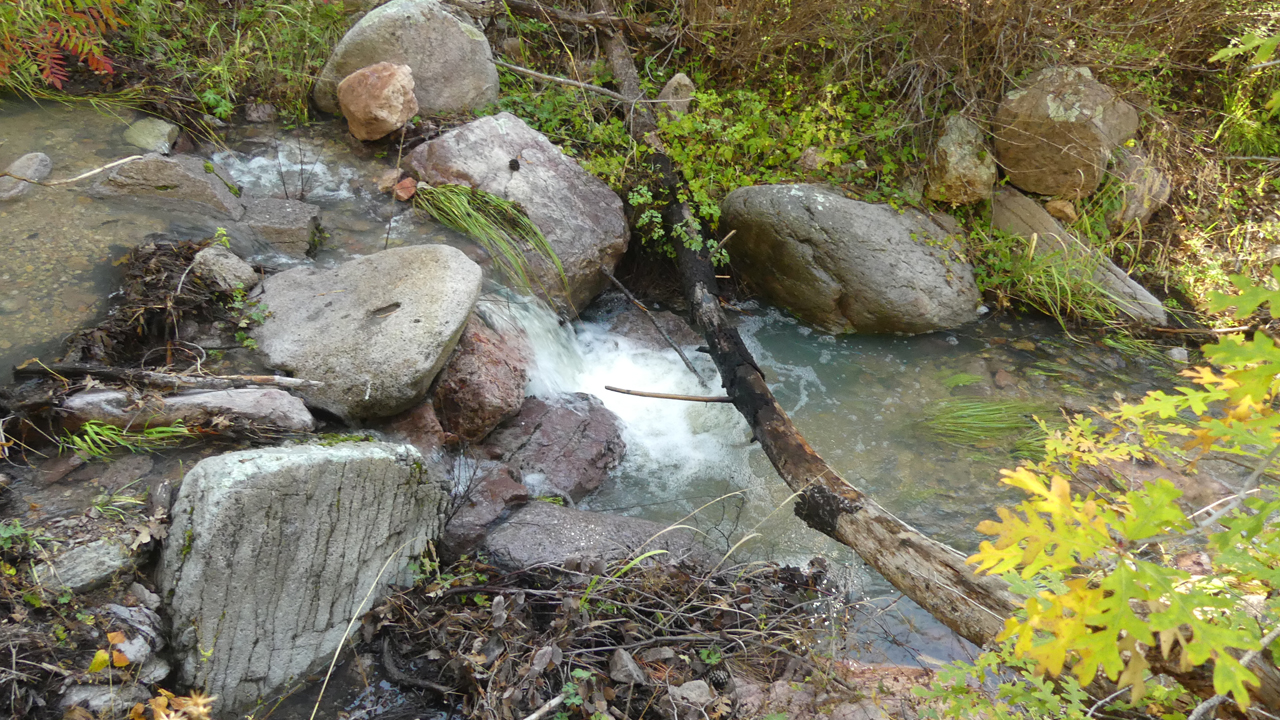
(500, 226)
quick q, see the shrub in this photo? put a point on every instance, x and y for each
(37, 35)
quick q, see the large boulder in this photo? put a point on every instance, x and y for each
(963, 170)
(545, 533)
(377, 100)
(33, 167)
(566, 446)
(580, 216)
(375, 330)
(1055, 135)
(848, 266)
(273, 551)
(451, 61)
(483, 383)
(1016, 214)
(181, 183)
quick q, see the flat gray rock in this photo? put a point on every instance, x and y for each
(259, 408)
(545, 533)
(289, 226)
(847, 266)
(273, 551)
(451, 61)
(375, 330)
(1017, 214)
(86, 567)
(182, 184)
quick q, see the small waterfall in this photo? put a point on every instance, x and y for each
(680, 455)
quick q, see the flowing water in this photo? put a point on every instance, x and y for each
(859, 401)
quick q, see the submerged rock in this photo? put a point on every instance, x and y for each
(32, 166)
(182, 184)
(483, 383)
(1055, 136)
(289, 226)
(847, 266)
(580, 216)
(1019, 215)
(377, 100)
(273, 551)
(545, 533)
(963, 170)
(451, 61)
(375, 330)
(152, 134)
(565, 446)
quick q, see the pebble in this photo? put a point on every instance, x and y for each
(1178, 354)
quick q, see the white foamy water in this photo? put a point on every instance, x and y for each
(290, 169)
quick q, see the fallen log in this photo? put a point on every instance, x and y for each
(152, 378)
(598, 20)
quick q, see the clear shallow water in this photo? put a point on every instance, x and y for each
(57, 245)
(859, 401)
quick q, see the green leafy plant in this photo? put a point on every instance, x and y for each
(251, 312)
(14, 537)
(1103, 594)
(710, 655)
(500, 226)
(96, 439)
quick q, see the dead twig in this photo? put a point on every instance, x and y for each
(79, 177)
(563, 81)
(667, 396)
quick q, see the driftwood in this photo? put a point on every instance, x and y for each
(154, 379)
(668, 396)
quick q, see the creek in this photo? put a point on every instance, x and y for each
(861, 401)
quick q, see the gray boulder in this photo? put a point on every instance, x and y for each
(545, 533)
(375, 330)
(1146, 189)
(1055, 135)
(566, 446)
(273, 551)
(580, 216)
(264, 409)
(452, 63)
(963, 169)
(223, 269)
(152, 134)
(848, 266)
(182, 183)
(32, 166)
(677, 95)
(1016, 214)
(86, 567)
(289, 226)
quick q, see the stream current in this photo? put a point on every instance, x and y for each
(860, 401)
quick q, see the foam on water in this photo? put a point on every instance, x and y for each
(290, 169)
